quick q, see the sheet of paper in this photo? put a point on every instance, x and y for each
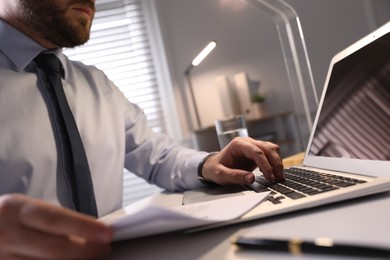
(143, 219)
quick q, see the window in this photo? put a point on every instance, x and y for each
(120, 46)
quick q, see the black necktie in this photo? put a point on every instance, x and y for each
(83, 196)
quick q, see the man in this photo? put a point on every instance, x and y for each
(114, 132)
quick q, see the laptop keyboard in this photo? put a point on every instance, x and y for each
(301, 183)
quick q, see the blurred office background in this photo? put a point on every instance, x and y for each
(248, 42)
(145, 46)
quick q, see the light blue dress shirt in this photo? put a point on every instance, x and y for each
(114, 132)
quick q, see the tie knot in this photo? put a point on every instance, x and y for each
(49, 63)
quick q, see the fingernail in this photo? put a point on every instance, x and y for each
(281, 174)
(249, 178)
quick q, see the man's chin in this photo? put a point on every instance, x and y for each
(77, 33)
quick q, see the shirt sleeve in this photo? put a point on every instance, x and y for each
(156, 157)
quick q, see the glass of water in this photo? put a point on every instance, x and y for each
(229, 128)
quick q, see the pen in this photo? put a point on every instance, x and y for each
(318, 246)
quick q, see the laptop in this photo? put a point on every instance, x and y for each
(348, 152)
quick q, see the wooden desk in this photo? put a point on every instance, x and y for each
(293, 160)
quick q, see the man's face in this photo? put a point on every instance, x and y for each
(63, 23)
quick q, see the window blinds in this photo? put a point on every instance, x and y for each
(119, 45)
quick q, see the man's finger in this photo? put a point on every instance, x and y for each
(272, 153)
(60, 221)
(251, 150)
(227, 176)
(33, 243)
(264, 154)
(28, 229)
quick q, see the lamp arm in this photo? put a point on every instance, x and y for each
(189, 82)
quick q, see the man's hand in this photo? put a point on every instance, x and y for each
(235, 163)
(33, 229)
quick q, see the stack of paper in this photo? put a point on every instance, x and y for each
(143, 219)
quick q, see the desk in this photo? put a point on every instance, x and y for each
(365, 220)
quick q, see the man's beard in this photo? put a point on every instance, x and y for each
(52, 23)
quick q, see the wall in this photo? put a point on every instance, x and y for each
(330, 26)
(248, 42)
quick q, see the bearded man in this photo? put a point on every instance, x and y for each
(67, 132)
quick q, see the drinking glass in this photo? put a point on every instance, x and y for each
(229, 128)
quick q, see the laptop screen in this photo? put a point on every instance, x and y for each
(355, 116)
(351, 131)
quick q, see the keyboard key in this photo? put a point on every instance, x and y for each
(295, 195)
(257, 187)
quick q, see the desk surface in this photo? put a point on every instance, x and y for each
(361, 220)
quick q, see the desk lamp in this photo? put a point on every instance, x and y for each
(198, 59)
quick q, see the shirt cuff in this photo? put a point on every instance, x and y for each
(200, 168)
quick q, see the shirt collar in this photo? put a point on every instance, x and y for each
(20, 48)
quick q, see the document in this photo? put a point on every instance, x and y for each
(144, 219)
